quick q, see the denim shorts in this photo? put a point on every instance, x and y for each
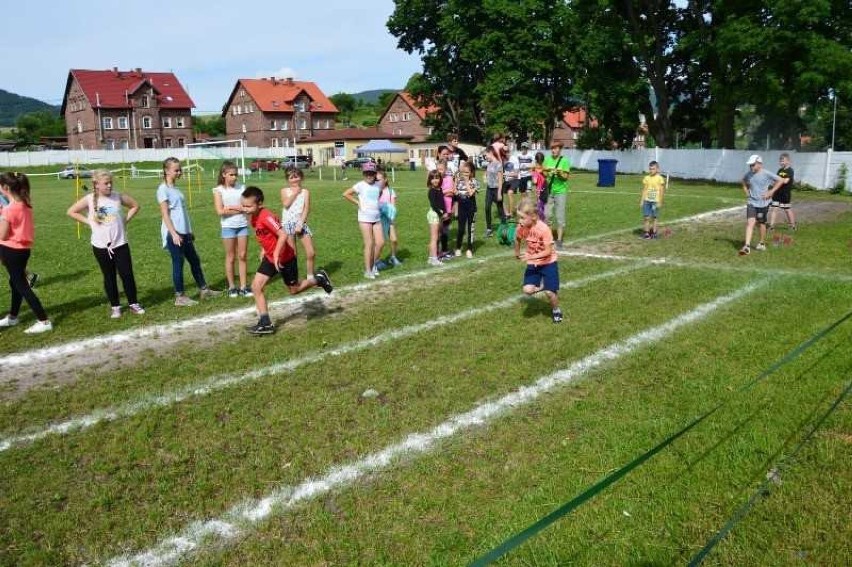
(228, 233)
(546, 276)
(649, 209)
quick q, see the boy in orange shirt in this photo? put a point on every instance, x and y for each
(542, 273)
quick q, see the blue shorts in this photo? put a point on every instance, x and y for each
(546, 276)
(649, 209)
(228, 233)
(386, 224)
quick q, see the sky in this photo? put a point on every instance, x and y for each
(341, 45)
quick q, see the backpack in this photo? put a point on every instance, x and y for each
(506, 233)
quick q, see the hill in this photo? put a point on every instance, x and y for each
(12, 106)
(372, 97)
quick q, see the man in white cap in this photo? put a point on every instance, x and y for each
(756, 185)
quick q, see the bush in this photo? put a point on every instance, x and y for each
(840, 184)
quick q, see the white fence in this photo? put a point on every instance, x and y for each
(820, 170)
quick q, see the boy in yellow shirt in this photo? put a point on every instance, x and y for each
(653, 190)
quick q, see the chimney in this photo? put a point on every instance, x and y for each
(289, 80)
(115, 71)
(138, 71)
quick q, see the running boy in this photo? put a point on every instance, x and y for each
(653, 189)
(781, 200)
(542, 273)
(278, 256)
(756, 185)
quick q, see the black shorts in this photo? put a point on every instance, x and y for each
(524, 184)
(511, 185)
(757, 213)
(781, 198)
(289, 271)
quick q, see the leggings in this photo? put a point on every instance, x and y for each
(117, 261)
(15, 261)
(467, 220)
(185, 250)
(491, 197)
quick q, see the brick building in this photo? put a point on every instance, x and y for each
(404, 117)
(568, 129)
(115, 109)
(272, 112)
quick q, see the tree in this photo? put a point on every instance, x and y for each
(33, 125)
(213, 126)
(346, 104)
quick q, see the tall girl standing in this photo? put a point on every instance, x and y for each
(227, 196)
(176, 232)
(109, 239)
(17, 232)
(296, 203)
(365, 195)
(466, 189)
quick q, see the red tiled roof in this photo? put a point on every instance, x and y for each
(353, 134)
(277, 95)
(576, 118)
(110, 88)
(421, 111)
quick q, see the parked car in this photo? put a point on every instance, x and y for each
(74, 171)
(358, 161)
(264, 165)
(301, 162)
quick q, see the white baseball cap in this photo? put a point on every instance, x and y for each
(754, 159)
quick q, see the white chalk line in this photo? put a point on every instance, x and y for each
(676, 263)
(219, 382)
(668, 195)
(241, 517)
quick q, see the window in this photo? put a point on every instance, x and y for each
(79, 127)
(107, 123)
(233, 111)
(181, 142)
(250, 107)
(244, 128)
(167, 143)
(167, 122)
(406, 116)
(303, 124)
(429, 130)
(124, 145)
(394, 117)
(285, 124)
(316, 124)
(242, 93)
(146, 122)
(273, 125)
(110, 144)
(274, 142)
(299, 106)
(146, 101)
(180, 122)
(122, 123)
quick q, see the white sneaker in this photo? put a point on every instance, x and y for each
(458, 252)
(469, 253)
(370, 275)
(115, 313)
(375, 270)
(760, 246)
(435, 262)
(40, 327)
(8, 321)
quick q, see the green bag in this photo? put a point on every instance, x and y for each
(506, 233)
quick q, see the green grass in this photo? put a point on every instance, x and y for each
(122, 486)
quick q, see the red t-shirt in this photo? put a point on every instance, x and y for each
(21, 226)
(266, 227)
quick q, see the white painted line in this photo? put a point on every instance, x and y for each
(220, 382)
(238, 519)
(668, 195)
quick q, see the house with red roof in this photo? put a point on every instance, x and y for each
(568, 129)
(272, 112)
(404, 117)
(115, 109)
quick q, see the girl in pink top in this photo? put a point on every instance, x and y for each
(16, 238)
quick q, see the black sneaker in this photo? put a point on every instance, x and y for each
(557, 316)
(32, 279)
(261, 329)
(323, 281)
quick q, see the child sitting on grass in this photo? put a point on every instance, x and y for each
(542, 273)
(278, 257)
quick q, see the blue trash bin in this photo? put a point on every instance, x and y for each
(606, 172)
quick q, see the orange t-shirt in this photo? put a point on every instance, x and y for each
(538, 238)
(21, 227)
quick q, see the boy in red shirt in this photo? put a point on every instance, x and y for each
(542, 272)
(278, 257)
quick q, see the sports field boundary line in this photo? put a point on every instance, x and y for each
(239, 518)
(222, 381)
(164, 329)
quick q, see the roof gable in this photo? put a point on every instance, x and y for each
(406, 97)
(278, 95)
(112, 88)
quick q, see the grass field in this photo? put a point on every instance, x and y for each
(428, 416)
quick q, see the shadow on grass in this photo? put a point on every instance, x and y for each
(734, 243)
(536, 306)
(52, 279)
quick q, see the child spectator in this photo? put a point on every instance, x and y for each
(781, 200)
(493, 189)
(387, 210)
(756, 185)
(234, 227)
(436, 215)
(278, 257)
(651, 199)
(176, 232)
(542, 273)
(109, 239)
(365, 195)
(17, 233)
(296, 201)
(539, 182)
(466, 203)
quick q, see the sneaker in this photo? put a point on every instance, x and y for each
(792, 227)
(184, 301)
(489, 233)
(136, 309)
(375, 270)
(745, 250)
(246, 292)
(435, 262)
(761, 246)
(458, 253)
(39, 327)
(261, 329)
(32, 279)
(323, 281)
(646, 236)
(469, 253)
(234, 292)
(445, 255)
(395, 261)
(557, 316)
(381, 265)
(115, 313)
(208, 293)
(8, 321)
(369, 275)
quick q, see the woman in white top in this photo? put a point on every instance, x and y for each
(109, 238)
(296, 201)
(226, 198)
(365, 195)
